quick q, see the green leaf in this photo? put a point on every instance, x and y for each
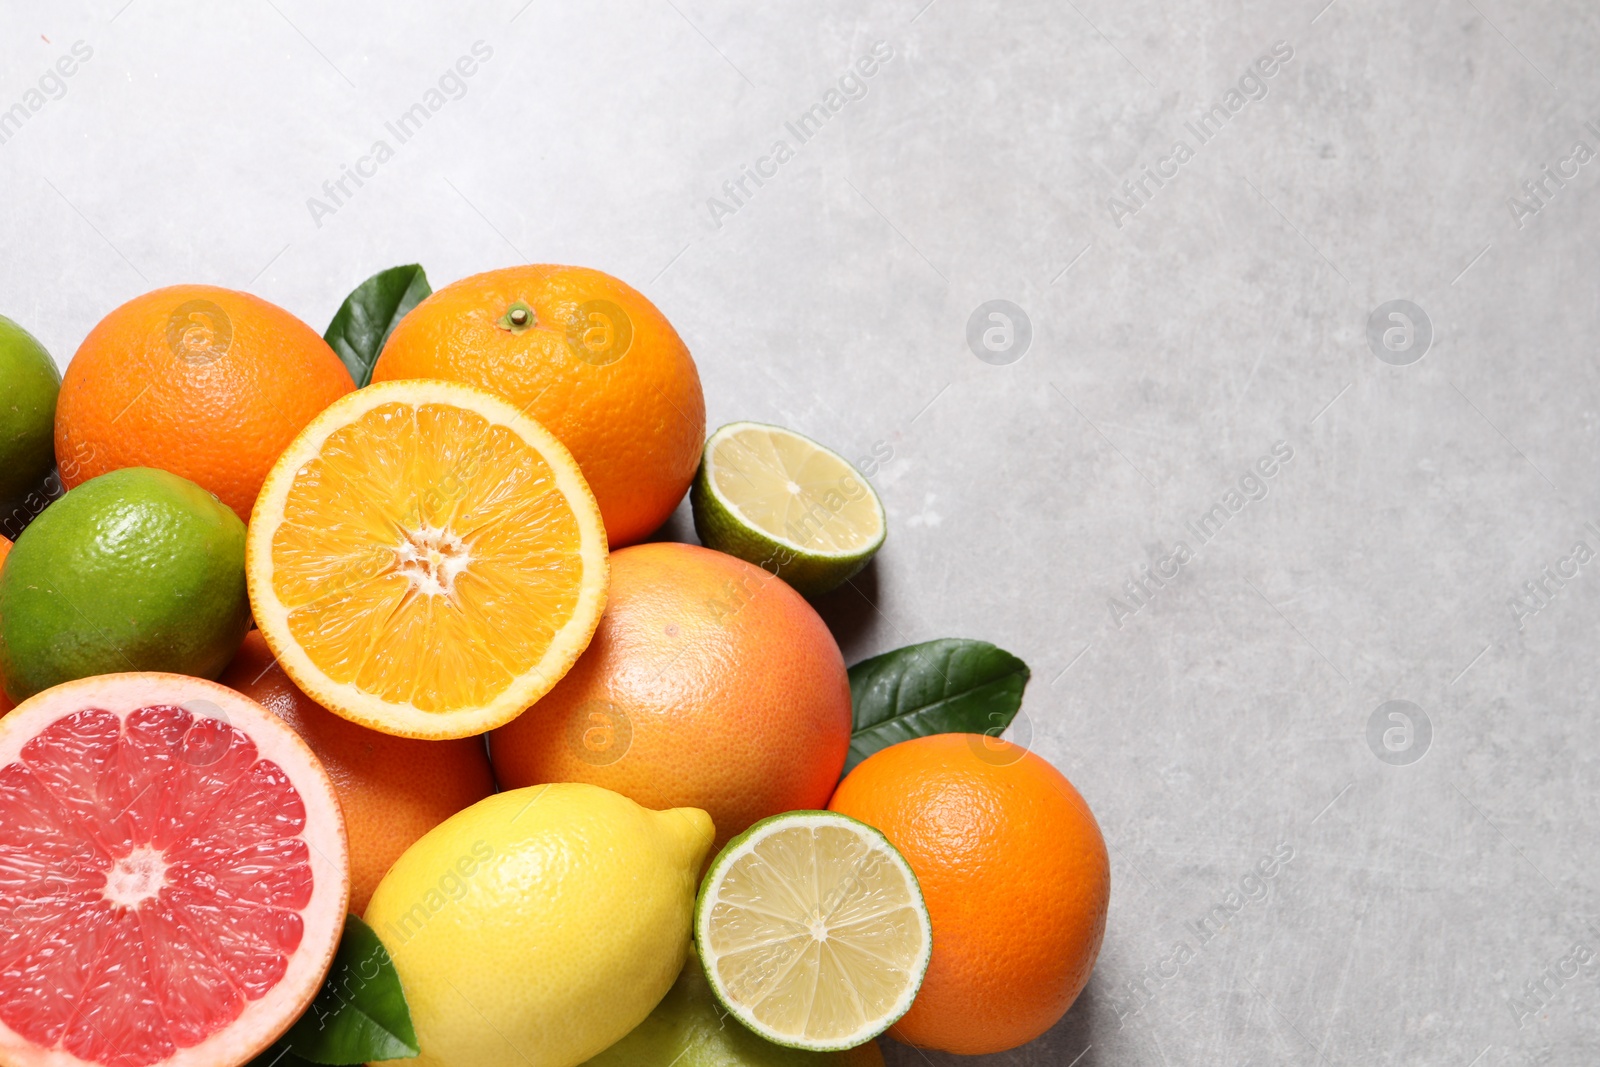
(358, 1015)
(369, 315)
(278, 1055)
(952, 685)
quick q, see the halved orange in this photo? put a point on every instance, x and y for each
(426, 560)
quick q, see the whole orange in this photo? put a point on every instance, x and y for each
(393, 789)
(708, 684)
(207, 383)
(1015, 875)
(587, 356)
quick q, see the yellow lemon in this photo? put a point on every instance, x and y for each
(540, 925)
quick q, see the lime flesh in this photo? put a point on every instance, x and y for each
(813, 931)
(690, 1029)
(29, 382)
(779, 500)
(136, 570)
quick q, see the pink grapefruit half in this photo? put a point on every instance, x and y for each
(173, 875)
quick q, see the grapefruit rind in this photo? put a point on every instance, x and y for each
(712, 911)
(347, 699)
(264, 1020)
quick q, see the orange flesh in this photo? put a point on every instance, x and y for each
(427, 557)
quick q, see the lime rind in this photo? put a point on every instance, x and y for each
(823, 542)
(30, 381)
(710, 895)
(137, 569)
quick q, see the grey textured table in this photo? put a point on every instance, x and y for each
(1184, 312)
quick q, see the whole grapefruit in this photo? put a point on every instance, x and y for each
(393, 789)
(208, 383)
(1015, 875)
(586, 355)
(709, 684)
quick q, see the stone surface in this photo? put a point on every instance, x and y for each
(1176, 340)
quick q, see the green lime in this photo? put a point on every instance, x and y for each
(690, 1029)
(136, 570)
(783, 502)
(29, 382)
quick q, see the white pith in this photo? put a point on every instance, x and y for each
(431, 558)
(136, 877)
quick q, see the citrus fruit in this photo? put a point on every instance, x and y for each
(393, 789)
(172, 875)
(812, 930)
(540, 925)
(426, 560)
(709, 684)
(690, 1029)
(5, 701)
(1016, 877)
(785, 503)
(136, 570)
(586, 355)
(29, 382)
(208, 383)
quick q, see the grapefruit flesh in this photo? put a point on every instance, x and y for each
(173, 875)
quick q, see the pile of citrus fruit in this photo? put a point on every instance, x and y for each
(352, 716)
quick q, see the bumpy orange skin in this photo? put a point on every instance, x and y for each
(635, 425)
(210, 384)
(1015, 875)
(708, 684)
(393, 789)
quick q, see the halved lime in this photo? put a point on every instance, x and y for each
(779, 500)
(813, 931)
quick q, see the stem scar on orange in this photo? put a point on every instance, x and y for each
(590, 358)
(209, 384)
